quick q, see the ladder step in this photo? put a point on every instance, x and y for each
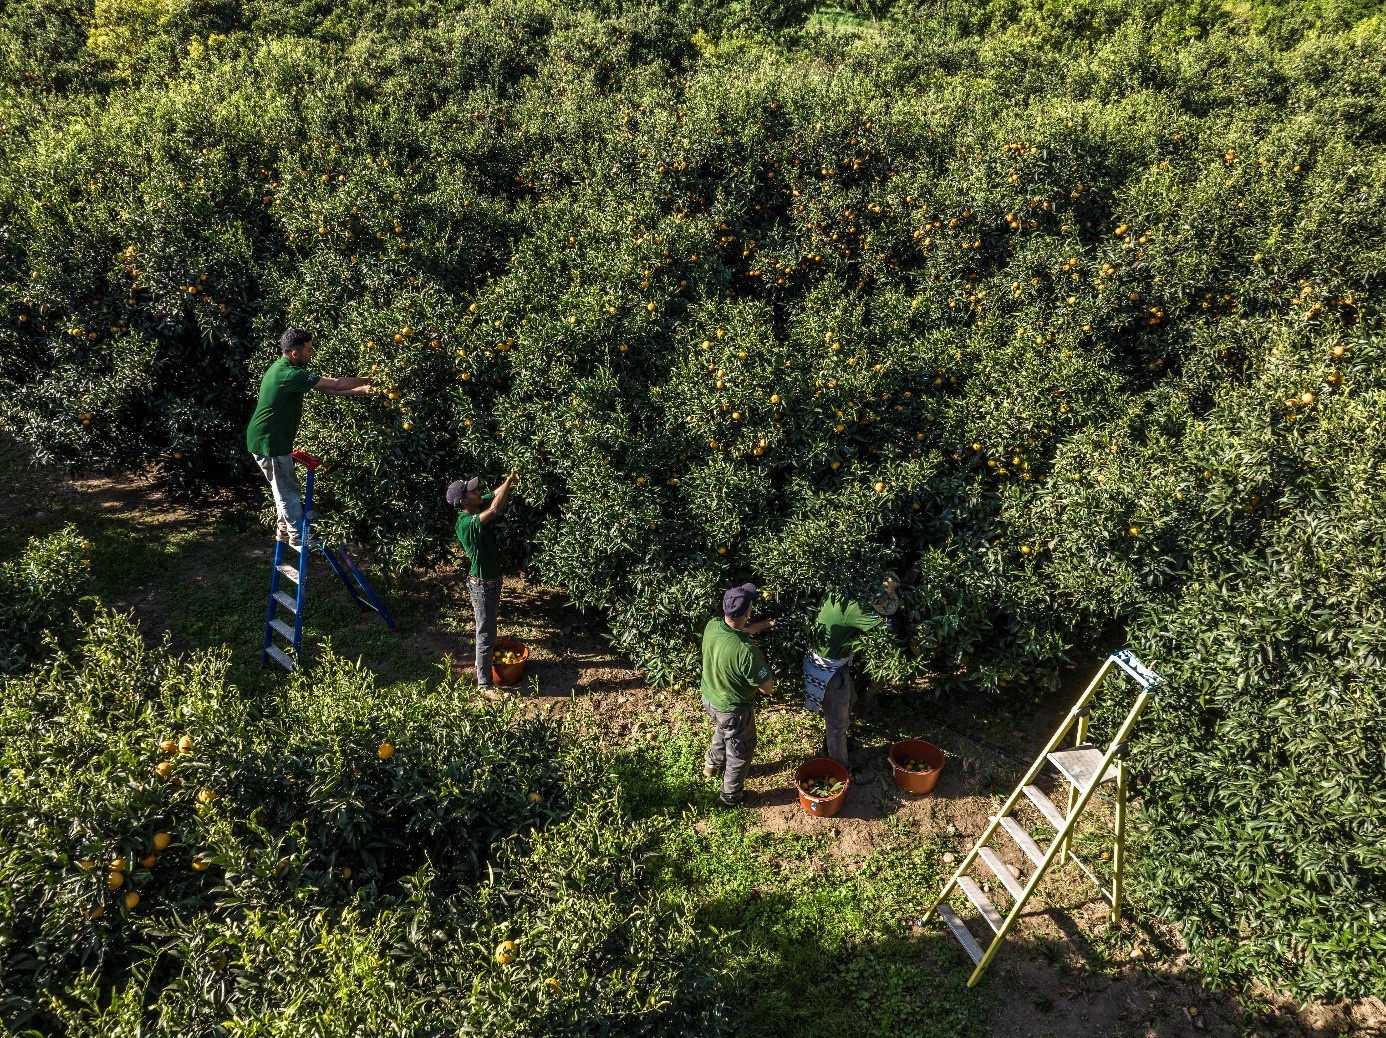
(1002, 872)
(284, 629)
(280, 657)
(1079, 765)
(982, 903)
(961, 932)
(1022, 839)
(288, 571)
(1046, 806)
(287, 601)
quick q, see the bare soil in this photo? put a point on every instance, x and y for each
(1059, 976)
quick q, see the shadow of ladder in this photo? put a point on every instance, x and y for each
(338, 559)
(1085, 767)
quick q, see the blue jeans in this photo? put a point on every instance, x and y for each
(485, 605)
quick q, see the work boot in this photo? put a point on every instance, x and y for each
(710, 772)
(729, 802)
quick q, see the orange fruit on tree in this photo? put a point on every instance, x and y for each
(115, 880)
(131, 900)
(148, 861)
(164, 769)
(205, 795)
(505, 952)
(386, 750)
(185, 744)
(162, 840)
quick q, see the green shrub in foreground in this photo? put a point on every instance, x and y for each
(39, 594)
(315, 882)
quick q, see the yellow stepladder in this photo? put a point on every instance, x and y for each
(1085, 767)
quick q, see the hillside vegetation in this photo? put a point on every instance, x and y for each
(1067, 313)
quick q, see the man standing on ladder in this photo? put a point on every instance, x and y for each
(828, 686)
(270, 435)
(478, 540)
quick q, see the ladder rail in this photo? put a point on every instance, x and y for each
(1114, 749)
(341, 564)
(1077, 713)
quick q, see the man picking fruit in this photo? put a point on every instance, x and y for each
(270, 435)
(476, 533)
(828, 687)
(734, 673)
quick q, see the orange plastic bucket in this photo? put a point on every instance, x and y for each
(817, 768)
(916, 750)
(509, 673)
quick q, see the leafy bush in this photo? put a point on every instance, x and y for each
(1055, 337)
(40, 592)
(333, 840)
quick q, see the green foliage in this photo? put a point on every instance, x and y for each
(40, 592)
(1056, 338)
(313, 881)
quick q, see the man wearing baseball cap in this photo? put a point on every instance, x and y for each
(734, 673)
(476, 514)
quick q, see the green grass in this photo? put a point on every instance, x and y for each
(811, 944)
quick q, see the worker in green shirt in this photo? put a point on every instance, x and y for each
(828, 686)
(734, 674)
(270, 435)
(477, 512)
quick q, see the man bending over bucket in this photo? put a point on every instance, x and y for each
(828, 687)
(270, 435)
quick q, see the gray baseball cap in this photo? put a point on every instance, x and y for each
(736, 600)
(458, 490)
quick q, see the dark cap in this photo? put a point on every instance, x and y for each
(458, 491)
(735, 601)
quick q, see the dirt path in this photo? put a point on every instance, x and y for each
(1063, 975)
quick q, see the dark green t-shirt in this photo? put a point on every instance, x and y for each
(478, 540)
(280, 408)
(838, 623)
(733, 668)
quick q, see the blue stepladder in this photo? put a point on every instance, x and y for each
(341, 563)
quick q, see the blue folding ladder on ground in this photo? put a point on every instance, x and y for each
(342, 565)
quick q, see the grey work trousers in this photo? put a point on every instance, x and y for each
(838, 699)
(485, 597)
(288, 495)
(733, 747)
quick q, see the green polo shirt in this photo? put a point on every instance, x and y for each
(274, 424)
(478, 540)
(733, 668)
(838, 623)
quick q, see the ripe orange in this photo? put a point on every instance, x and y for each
(880, 487)
(534, 798)
(131, 900)
(168, 746)
(206, 796)
(148, 861)
(115, 880)
(505, 952)
(201, 865)
(386, 750)
(164, 769)
(185, 744)
(161, 841)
